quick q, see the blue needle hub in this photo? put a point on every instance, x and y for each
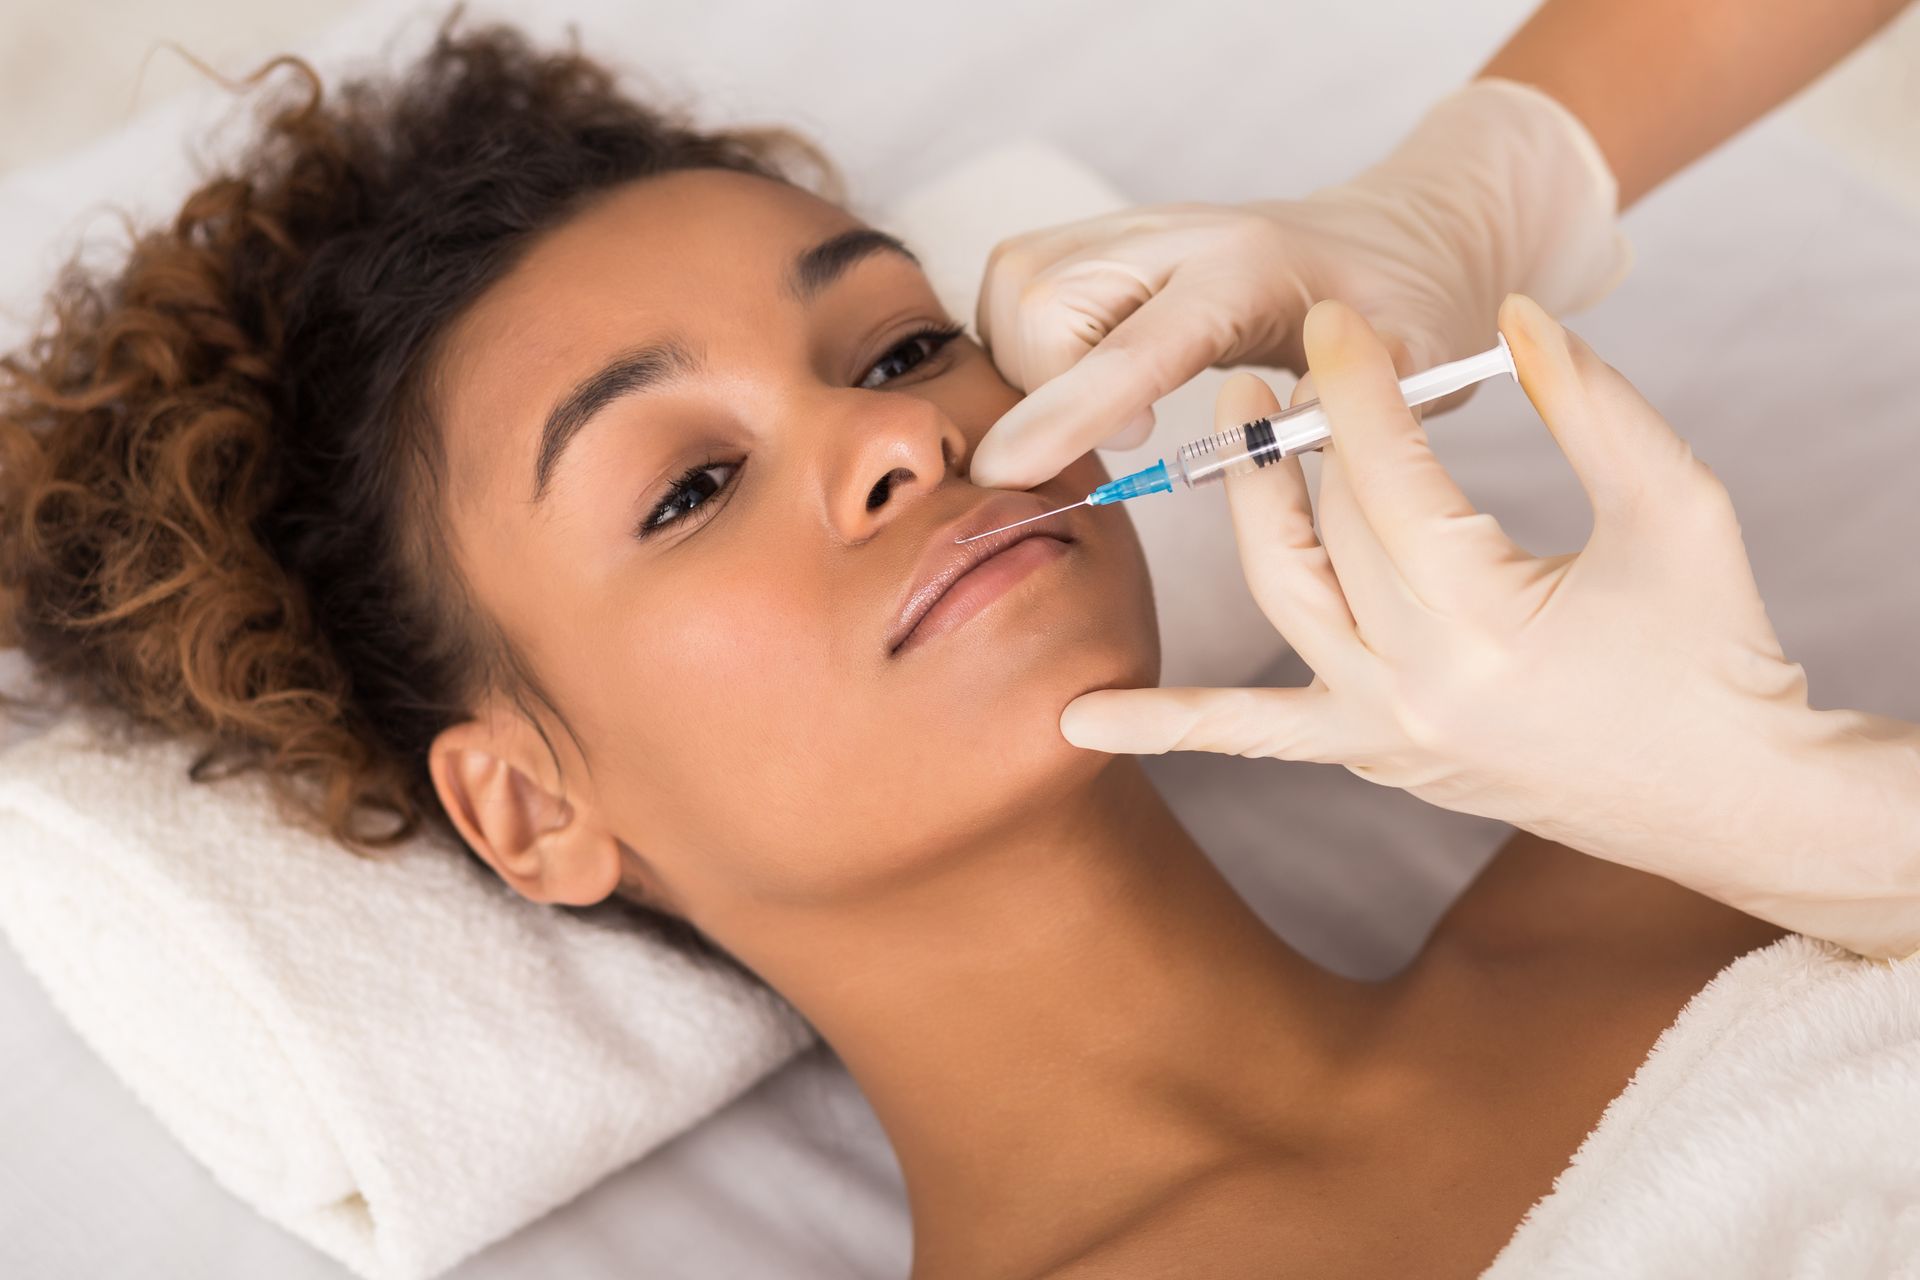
(1138, 485)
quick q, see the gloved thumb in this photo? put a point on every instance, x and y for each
(1280, 724)
(1108, 392)
(1620, 447)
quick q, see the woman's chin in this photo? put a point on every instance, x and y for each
(1021, 726)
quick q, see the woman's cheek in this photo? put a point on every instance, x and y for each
(745, 663)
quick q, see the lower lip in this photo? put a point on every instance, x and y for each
(981, 585)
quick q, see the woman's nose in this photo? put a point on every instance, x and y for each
(897, 449)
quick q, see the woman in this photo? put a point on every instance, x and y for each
(512, 459)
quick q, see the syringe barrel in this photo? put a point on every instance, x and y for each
(1246, 448)
(1265, 441)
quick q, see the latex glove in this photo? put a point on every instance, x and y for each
(1631, 700)
(1499, 189)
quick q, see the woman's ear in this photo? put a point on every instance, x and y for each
(499, 784)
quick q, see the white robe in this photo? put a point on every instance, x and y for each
(1774, 1130)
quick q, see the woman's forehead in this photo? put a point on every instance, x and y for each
(675, 250)
(690, 230)
(682, 254)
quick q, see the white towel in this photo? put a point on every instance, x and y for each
(1774, 1130)
(395, 1058)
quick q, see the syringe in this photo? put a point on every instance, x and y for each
(1265, 441)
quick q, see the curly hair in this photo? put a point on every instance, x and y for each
(218, 472)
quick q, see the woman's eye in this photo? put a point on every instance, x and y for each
(697, 485)
(911, 352)
(688, 493)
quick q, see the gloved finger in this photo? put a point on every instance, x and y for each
(1286, 568)
(1280, 724)
(1135, 433)
(1397, 348)
(1401, 353)
(1619, 446)
(1424, 522)
(1069, 308)
(1370, 582)
(1398, 352)
(1012, 265)
(1154, 350)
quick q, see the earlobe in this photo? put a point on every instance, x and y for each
(488, 776)
(642, 884)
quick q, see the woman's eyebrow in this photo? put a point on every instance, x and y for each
(641, 369)
(820, 266)
(648, 367)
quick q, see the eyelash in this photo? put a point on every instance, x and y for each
(935, 337)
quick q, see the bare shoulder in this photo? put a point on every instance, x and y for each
(1545, 902)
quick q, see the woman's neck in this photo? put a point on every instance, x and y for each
(1057, 1028)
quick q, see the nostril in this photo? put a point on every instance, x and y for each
(877, 496)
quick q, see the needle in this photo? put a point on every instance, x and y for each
(1029, 520)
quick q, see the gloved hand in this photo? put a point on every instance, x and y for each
(1499, 189)
(1631, 700)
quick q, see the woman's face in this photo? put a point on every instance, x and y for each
(754, 438)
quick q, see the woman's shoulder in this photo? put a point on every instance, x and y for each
(1545, 904)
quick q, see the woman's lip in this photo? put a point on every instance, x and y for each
(953, 550)
(981, 585)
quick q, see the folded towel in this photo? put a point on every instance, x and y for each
(1774, 1130)
(396, 1058)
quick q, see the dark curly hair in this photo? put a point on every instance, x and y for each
(218, 472)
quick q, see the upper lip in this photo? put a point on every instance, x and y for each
(945, 559)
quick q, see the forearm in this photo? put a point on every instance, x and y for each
(1809, 819)
(1659, 83)
(1848, 868)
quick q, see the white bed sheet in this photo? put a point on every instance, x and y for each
(1777, 297)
